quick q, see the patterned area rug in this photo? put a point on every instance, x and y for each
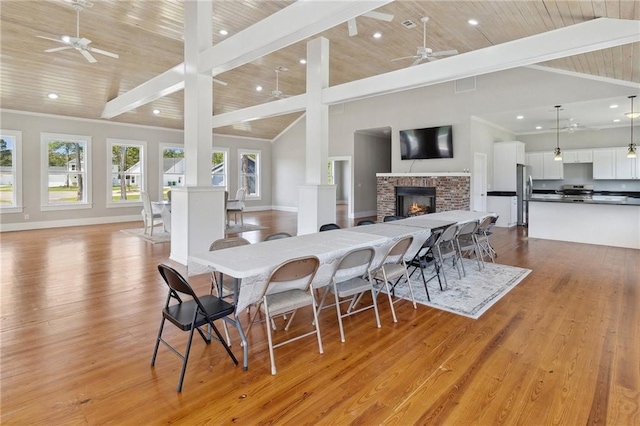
(235, 229)
(158, 235)
(470, 296)
(165, 237)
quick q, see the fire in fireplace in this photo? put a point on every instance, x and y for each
(415, 200)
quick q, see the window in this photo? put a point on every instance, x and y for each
(172, 167)
(219, 168)
(66, 177)
(331, 178)
(250, 172)
(126, 170)
(10, 171)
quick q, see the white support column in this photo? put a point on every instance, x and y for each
(317, 199)
(198, 216)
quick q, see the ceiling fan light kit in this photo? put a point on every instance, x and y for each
(557, 154)
(631, 151)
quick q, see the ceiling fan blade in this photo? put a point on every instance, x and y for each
(406, 57)
(88, 56)
(223, 83)
(445, 53)
(53, 39)
(84, 41)
(379, 15)
(353, 27)
(57, 49)
(103, 52)
(417, 61)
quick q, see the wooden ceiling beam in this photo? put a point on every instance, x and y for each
(288, 26)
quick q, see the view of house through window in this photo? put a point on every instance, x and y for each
(8, 169)
(219, 168)
(173, 167)
(67, 169)
(127, 170)
(250, 172)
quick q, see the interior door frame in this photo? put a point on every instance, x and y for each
(480, 191)
(350, 172)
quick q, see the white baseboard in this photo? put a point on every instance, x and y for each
(25, 226)
(285, 208)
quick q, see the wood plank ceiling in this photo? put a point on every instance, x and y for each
(148, 37)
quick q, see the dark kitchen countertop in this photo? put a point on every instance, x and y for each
(501, 193)
(630, 201)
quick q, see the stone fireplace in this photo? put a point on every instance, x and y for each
(452, 190)
(415, 200)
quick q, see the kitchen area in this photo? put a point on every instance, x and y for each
(586, 196)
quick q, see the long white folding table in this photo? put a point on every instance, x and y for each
(251, 265)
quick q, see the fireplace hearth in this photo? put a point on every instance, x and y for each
(415, 200)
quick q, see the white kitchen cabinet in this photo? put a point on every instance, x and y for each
(506, 208)
(577, 156)
(534, 160)
(604, 163)
(626, 168)
(506, 155)
(544, 167)
(551, 169)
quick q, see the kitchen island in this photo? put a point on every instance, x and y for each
(599, 221)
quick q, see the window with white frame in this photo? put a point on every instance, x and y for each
(10, 171)
(172, 168)
(250, 172)
(66, 177)
(126, 168)
(219, 167)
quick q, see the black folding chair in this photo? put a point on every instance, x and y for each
(423, 258)
(329, 227)
(190, 315)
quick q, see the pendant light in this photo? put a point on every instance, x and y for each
(557, 154)
(632, 146)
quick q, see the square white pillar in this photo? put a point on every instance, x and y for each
(316, 206)
(197, 220)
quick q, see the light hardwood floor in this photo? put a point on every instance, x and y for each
(81, 307)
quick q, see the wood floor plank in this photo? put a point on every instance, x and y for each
(80, 309)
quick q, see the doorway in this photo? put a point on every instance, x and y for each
(339, 171)
(479, 182)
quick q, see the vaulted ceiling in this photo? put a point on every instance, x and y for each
(148, 37)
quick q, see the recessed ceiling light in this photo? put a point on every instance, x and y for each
(377, 34)
(303, 61)
(472, 22)
(259, 88)
(538, 127)
(617, 120)
(223, 32)
(156, 111)
(53, 96)
(520, 117)
(614, 106)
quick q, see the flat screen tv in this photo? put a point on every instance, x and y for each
(431, 142)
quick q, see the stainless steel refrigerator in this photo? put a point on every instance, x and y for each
(524, 189)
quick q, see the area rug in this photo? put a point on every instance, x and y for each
(470, 296)
(235, 229)
(158, 235)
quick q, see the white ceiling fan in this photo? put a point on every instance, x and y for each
(81, 44)
(424, 52)
(353, 26)
(277, 94)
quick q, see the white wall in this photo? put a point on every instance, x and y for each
(32, 125)
(484, 135)
(288, 169)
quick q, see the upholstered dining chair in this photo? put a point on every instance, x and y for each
(148, 216)
(190, 315)
(236, 206)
